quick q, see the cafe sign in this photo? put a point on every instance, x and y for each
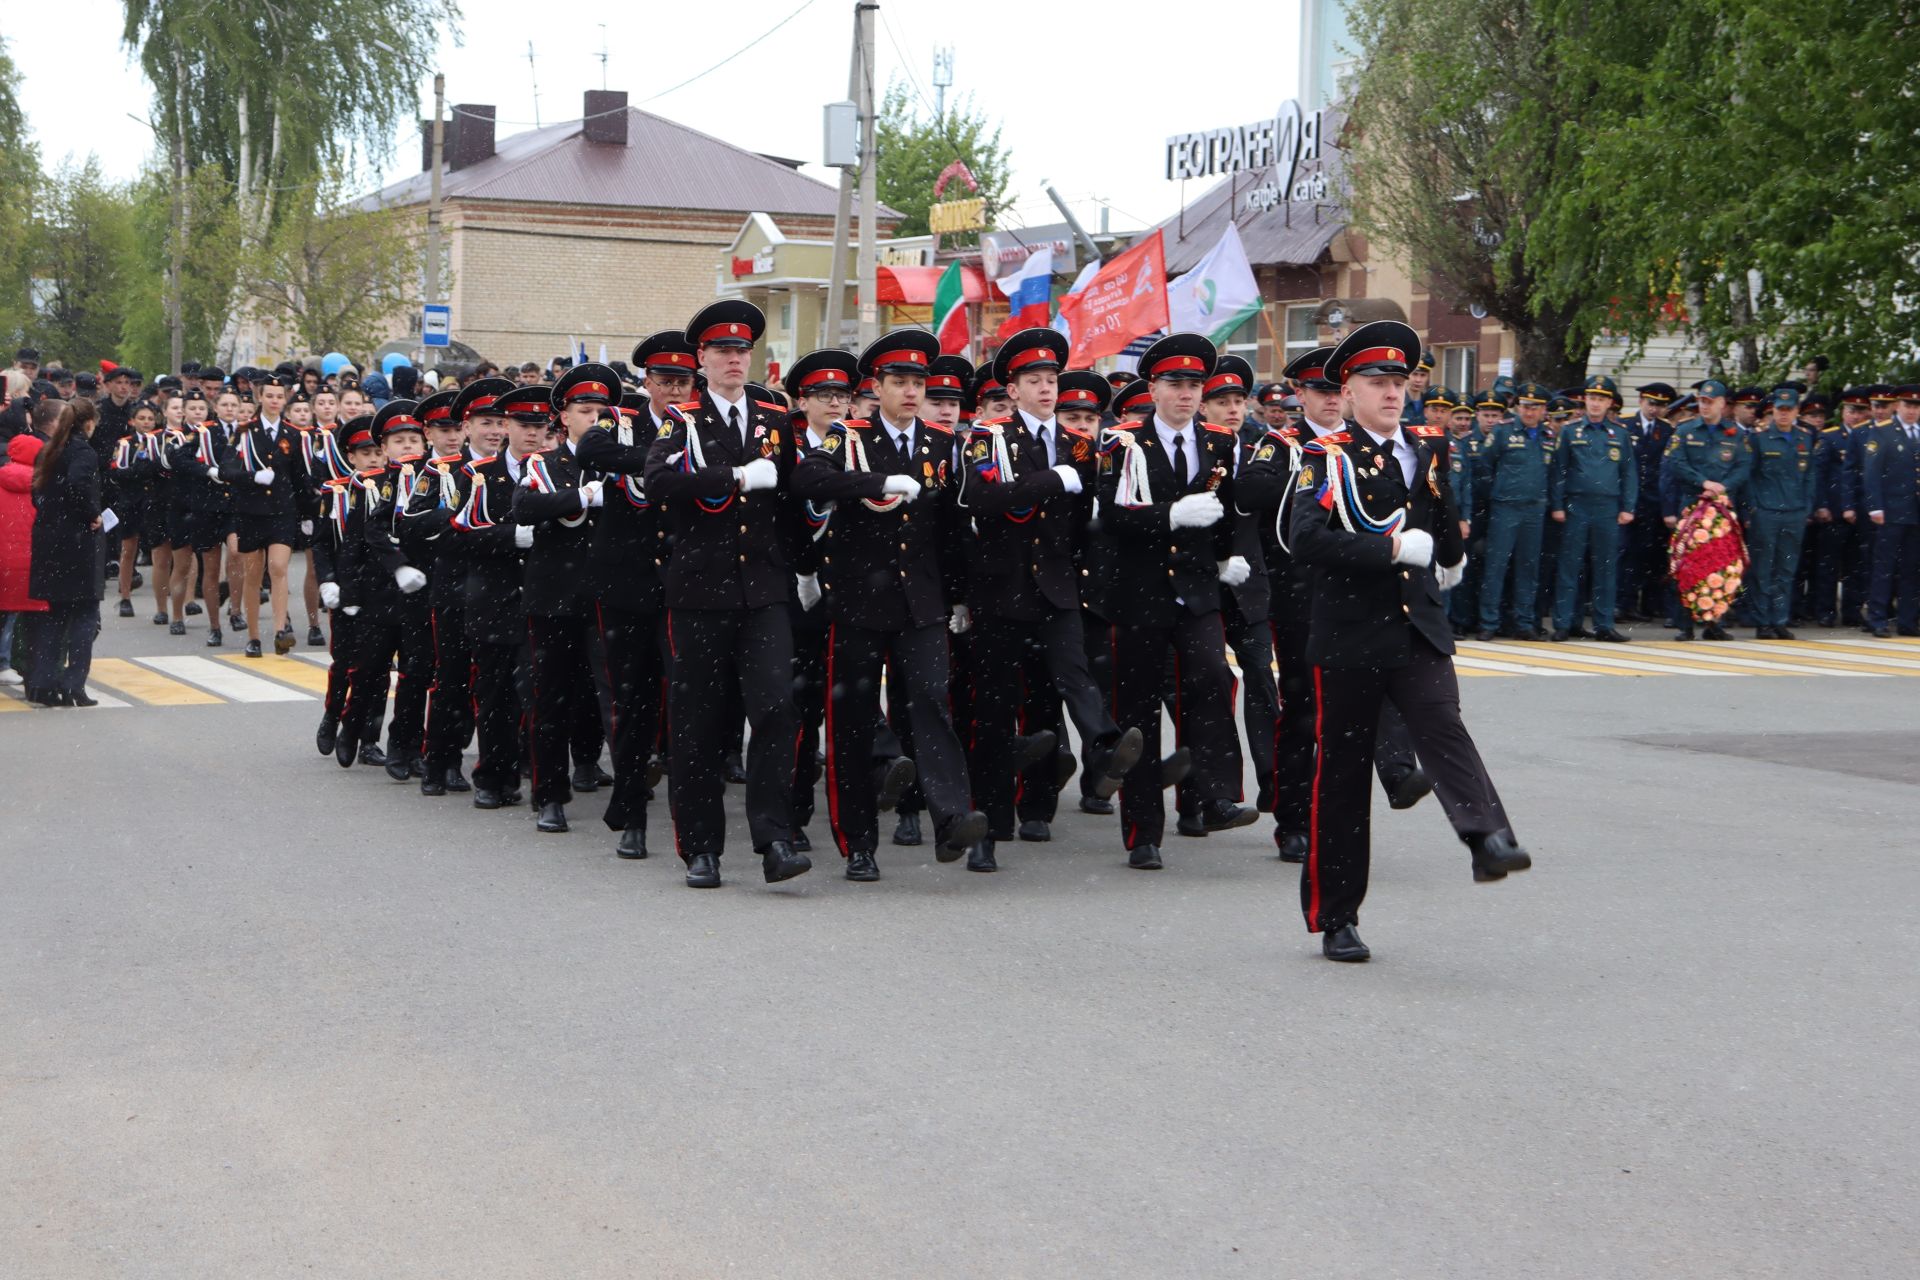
(1284, 142)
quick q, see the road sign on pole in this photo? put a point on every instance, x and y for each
(436, 325)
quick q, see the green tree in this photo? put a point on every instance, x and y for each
(82, 256)
(19, 179)
(333, 273)
(1459, 126)
(210, 266)
(913, 150)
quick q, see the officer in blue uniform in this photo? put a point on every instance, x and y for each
(1838, 593)
(1594, 490)
(1779, 499)
(1419, 383)
(1890, 492)
(1707, 455)
(1514, 465)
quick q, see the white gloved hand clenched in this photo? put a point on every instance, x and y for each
(523, 536)
(213, 473)
(263, 477)
(962, 620)
(1196, 511)
(306, 528)
(409, 579)
(592, 494)
(1416, 548)
(352, 611)
(1069, 476)
(1451, 575)
(1234, 570)
(807, 587)
(906, 486)
(330, 594)
(761, 473)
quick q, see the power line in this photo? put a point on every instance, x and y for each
(805, 5)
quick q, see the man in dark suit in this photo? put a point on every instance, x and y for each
(723, 471)
(1643, 583)
(1890, 495)
(1372, 516)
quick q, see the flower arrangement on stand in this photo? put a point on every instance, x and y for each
(1708, 558)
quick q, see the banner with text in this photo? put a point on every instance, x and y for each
(1128, 298)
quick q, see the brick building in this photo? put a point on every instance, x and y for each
(601, 229)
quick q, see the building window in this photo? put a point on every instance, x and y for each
(1303, 335)
(1245, 341)
(1459, 368)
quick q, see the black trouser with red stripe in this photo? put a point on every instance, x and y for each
(630, 669)
(918, 655)
(450, 700)
(1333, 881)
(712, 648)
(498, 712)
(340, 656)
(1203, 715)
(562, 694)
(810, 702)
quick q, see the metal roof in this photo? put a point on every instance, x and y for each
(665, 165)
(1289, 234)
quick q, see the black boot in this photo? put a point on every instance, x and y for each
(1225, 815)
(907, 830)
(891, 781)
(861, 867)
(325, 736)
(434, 784)
(1409, 789)
(553, 818)
(781, 861)
(703, 871)
(959, 833)
(1293, 848)
(1496, 854)
(1144, 857)
(980, 856)
(633, 843)
(1344, 944)
(457, 781)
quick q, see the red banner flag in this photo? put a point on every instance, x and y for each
(1128, 298)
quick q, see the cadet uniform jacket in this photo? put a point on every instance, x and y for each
(627, 529)
(1029, 531)
(1145, 571)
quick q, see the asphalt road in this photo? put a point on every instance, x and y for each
(266, 1017)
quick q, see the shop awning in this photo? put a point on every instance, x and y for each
(915, 286)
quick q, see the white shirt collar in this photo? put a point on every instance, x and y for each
(1403, 451)
(895, 429)
(1319, 430)
(723, 404)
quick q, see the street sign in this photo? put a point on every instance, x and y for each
(436, 325)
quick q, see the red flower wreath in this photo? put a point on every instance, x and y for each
(1708, 557)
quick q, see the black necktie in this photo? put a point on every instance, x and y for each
(1393, 459)
(733, 420)
(1046, 445)
(900, 443)
(1180, 458)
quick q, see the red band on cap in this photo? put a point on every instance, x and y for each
(1373, 355)
(838, 377)
(1077, 397)
(400, 422)
(907, 356)
(580, 389)
(1135, 400)
(1177, 364)
(946, 380)
(1032, 355)
(439, 413)
(990, 386)
(1220, 380)
(671, 359)
(1318, 372)
(739, 332)
(480, 404)
(359, 438)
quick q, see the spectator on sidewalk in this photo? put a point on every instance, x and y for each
(69, 560)
(16, 547)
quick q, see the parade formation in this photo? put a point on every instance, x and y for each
(905, 585)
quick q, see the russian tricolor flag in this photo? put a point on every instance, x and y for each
(1029, 294)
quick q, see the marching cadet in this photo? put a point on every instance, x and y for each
(1163, 546)
(1834, 595)
(558, 499)
(1707, 456)
(990, 399)
(438, 495)
(396, 626)
(261, 463)
(1593, 490)
(493, 547)
(628, 627)
(1890, 495)
(1514, 465)
(335, 559)
(1028, 488)
(1372, 522)
(308, 448)
(890, 563)
(1645, 588)
(194, 460)
(1779, 500)
(723, 470)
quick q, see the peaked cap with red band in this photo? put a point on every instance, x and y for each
(1084, 389)
(731, 322)
(668, 351)
(437, 409)
(478, 397)
(907, 351)
(829, 369)
(1230, 374)
(948, 378)
(1378, 347)
(397, 415)
(527, 403)
(1188, 356)
(593, 383)
(1035, 348)
(1310, 370)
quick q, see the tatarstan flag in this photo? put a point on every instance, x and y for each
(950, 312)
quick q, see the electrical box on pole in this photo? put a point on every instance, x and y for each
(842, 135)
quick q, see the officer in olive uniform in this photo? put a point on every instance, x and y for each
(1779, 500)
(1708, 455)
(723, 471)
(1593, 491)
(1515, 463)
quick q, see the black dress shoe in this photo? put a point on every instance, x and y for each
(193, 609)
(213, 638)
(1684, 634)
(736, 773)
(601, 776)
(1560, 635)
(433, 785)
(325, 736)
(457, 781)
(553, 817)
(371, 754)
(236, 623)
(1225, 815)
(801, 843)
(1496, 854)
(1293, 848)
(906, 832)
(486, 798)
(980, 856)
(633, 843)
(1030, 749)
(1529, 634)
(253, 648)
(1880, 632)
(959, 833)
(1578, 633)
(315, 638)
(891, 782)
(782, 861)
(862, 868)
(703, 871)
(583, 779)
(1064, 767)
(1612, 637)
(513, 799)
(1144, 857)
(1409, 788)
(1483, 635)
(283, 642)
(1716, 632)
(1344, 944)
(81, 699)
(1036, 831)
(1175, 768)
(126, 608)
(1097, 805)
(345, 751)
(1118, 763)
(399, 767)
(176, 628)
(1191, 825)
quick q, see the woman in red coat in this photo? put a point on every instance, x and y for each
(16, 544)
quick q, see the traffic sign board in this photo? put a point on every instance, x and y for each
(436, 325)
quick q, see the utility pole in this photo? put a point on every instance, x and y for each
(433, 187)
(832, 321)
(942, 78)
(176, 318)
(869, 156)
(533, 74)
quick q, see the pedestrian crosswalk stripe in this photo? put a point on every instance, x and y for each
(1610, 662)
(1802, 654)
(1708, 654)
(300, 674)
(146, 686)
(217, 677)
(14, 698)
(321, 660)
(1910, 660)
(1470, 665)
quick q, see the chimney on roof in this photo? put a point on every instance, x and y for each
(469, 137)
(606, 116)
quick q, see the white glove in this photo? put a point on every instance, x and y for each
(906, 486)
(761, 473)
(1416, 548)
(1195, 511)
(1450, 575)
(306, 528)
(409, 579)
(962, 620)
(352, 611)
(263, 477)
(1235, 570)
(807, 585)
(1069, 476)
(592, 494)
(523, 536)
(213, 473)
(330, 594)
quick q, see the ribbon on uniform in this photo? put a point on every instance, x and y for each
(693, 458)
(856, 460)
(1340, 493)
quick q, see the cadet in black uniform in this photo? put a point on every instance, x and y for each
(891, 560)
(1161, 547)
(335, 553)
(1372, 517)
(439, 492)
(722, 471)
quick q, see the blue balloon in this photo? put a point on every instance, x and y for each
(393, 361)
(332, 363)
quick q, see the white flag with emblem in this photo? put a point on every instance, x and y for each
(1218, 295)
